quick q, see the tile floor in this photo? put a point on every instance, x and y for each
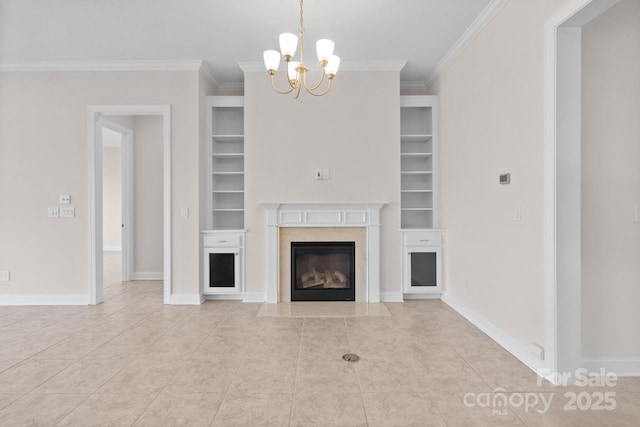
(134, 361)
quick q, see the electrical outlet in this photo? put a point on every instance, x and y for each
(6, 276)
(67, 212)
(65, 199)
(53, 213)
(184, 212)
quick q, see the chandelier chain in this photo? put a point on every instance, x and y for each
(301, 20)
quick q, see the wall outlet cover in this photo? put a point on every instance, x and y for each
(65, 199)
(6, 276)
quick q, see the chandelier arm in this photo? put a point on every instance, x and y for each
(322, 93)
(309, 89)
(296, 93)
(273, 85)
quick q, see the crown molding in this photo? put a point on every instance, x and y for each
(413, 85)
(194, 65)
(487, 14)
(393, 65)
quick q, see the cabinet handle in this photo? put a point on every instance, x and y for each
(423, 240)
(222, 241)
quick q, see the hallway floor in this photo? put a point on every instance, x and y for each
(135, 361)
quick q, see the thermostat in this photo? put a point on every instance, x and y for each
(505, 178)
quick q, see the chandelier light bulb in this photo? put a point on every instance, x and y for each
(332, 66)
(288, 45)
(324, 49)
(292, 73)
(271, 60)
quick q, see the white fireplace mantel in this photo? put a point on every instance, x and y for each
(324, 215)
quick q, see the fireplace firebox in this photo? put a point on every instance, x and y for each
(323, 271)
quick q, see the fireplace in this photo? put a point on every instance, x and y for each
(323, 271)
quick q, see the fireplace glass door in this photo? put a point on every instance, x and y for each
(323, 271)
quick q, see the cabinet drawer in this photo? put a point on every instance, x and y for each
(224, 241)
(423, 239)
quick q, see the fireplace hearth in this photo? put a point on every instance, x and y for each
(323, 271)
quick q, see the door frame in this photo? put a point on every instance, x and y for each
(562, 287)
(94, 136)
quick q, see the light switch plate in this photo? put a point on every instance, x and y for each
(6, 276)
(53, 213)
(184, 212)
(67, 212)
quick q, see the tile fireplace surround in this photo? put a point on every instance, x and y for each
(314, 215)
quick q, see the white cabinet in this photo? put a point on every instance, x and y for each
(418, 149)
(223, 262)
(226, 165)
(422, 262)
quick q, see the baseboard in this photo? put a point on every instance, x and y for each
(223, 297)
(391, 297)
(621, 366)
(112, 249)
(185, 299)
(44, 299)
(509, 343)
(147, 275)
(425, 295)
(255, 297)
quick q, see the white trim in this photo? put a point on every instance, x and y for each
(552, 325)
(237, 296)
(255, 297)
(391, 297)
(139, 65)
(147, 275)
(184, 299)
(94, 113)
(509, 343)
(481, 21)
(45, 299)
(422, 295)
(391, 65)
(621, 366)
(112, 248)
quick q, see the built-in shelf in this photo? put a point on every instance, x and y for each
(417, 154)
(226, 127)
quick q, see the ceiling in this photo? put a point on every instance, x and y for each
(224, 33)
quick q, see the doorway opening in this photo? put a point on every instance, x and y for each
(97, 117)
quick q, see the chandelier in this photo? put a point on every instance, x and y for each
(297, 71)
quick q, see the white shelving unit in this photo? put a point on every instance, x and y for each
(421, 241)
(227, 162)
(222, 244)
(417, 162)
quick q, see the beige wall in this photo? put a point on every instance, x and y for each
(491, 122)
(112, 196)
(43, 153)
(354, 131)
(611, 182)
